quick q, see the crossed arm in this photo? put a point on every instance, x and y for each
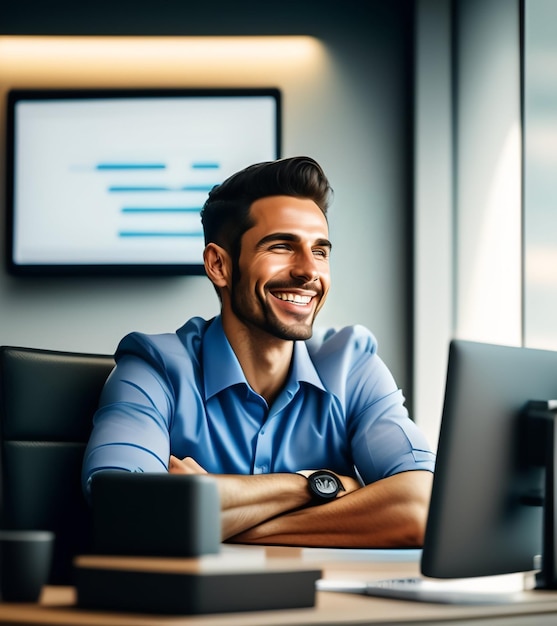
(275, 509)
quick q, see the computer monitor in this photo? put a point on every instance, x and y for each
(112, 181)
(492, 505)
(486, 513)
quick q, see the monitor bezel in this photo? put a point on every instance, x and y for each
(109, 269)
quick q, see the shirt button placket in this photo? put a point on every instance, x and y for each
(262, 460)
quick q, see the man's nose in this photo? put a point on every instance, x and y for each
(305, 267)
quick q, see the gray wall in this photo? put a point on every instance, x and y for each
(349, 108)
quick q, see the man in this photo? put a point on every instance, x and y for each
(249, 398)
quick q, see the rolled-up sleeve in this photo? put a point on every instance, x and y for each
(388, 442)
(383, 439)
(131, 425)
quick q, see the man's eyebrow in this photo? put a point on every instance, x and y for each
(322, 242)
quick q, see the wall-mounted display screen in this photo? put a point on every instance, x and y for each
(112, 181)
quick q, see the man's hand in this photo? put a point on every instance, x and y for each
(187, 465)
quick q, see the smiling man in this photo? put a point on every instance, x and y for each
(308, 439)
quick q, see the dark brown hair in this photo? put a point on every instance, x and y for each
(226, 213)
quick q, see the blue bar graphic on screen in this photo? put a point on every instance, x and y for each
(161, 209)
(205, 166)
(131, 166)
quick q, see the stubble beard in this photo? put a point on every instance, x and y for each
(266, 320)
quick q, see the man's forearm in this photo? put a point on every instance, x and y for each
(389, 513)
(248, 501)
(274, 509)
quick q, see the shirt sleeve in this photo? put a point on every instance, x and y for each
(387, 441)
(383, 439)
(131, 425)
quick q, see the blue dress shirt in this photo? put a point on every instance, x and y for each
(185, 394)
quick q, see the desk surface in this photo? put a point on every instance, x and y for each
(57, 605)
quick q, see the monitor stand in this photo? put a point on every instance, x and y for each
(541, 451)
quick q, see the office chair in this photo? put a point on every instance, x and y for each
(47, 401)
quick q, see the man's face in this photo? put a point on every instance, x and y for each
(283, 276)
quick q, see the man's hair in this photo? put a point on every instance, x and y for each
(226, 213)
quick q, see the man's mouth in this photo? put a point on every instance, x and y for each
(293, 297)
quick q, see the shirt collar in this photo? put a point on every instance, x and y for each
(303, 369)
(221, 368)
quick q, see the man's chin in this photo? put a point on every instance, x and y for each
(299, 332)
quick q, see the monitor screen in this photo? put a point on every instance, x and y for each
(112, 181)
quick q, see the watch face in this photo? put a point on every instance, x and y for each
(324, 485)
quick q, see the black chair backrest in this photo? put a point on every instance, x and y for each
(47, 401)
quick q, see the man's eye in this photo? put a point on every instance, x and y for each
(279, 246)
(321, 252)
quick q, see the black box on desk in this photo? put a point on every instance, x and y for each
(147, 528)
(156, 514)
(224, 583)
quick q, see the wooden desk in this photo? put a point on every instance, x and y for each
(58, 608)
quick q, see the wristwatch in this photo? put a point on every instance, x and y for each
(324, 486)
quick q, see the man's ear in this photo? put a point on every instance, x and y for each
(217, 264)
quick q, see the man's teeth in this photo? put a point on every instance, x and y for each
(291, 297)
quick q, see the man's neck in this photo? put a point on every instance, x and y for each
(265, 360)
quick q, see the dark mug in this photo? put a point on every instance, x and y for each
(25, 562)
